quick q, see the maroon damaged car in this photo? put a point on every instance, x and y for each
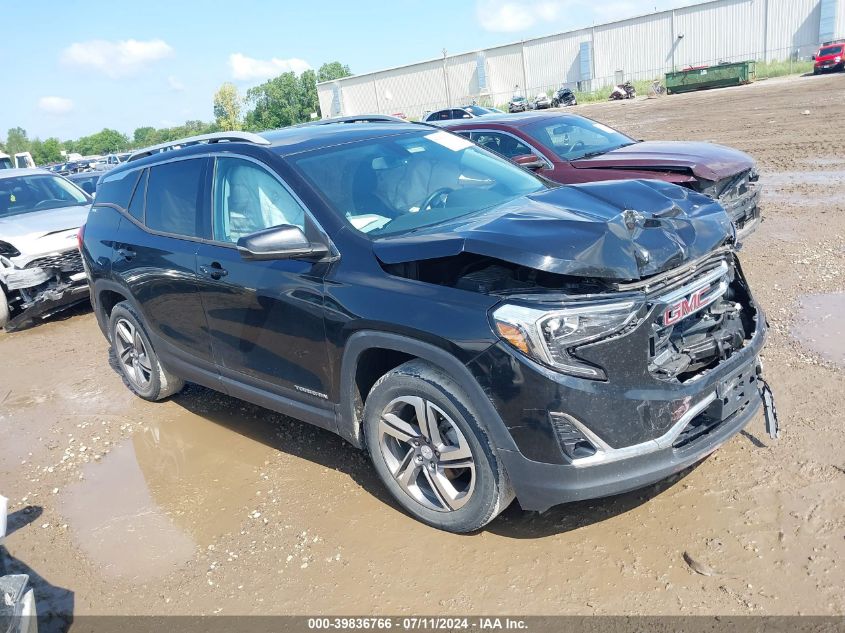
(568, 149)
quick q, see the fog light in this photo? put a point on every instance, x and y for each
(572, 442)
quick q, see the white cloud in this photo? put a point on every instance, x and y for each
(509, 16)
(175, 84)
(250, 69)
(115, 59)
(55, 105)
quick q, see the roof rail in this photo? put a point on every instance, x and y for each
(356, 118)
(213, 137)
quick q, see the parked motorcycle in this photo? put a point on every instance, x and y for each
(623, 91)
(564, 97)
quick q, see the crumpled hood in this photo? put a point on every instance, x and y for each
(621, 230)
(43, 232)
(705, 160)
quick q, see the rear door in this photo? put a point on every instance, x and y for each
(155, 256)
(265, 317)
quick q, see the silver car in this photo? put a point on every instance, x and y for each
(40, 267)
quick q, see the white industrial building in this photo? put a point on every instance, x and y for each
(638, 48)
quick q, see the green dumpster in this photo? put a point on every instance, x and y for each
(704, 77)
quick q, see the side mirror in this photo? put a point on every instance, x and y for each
(814, 57)
(529, 161)
(280, 242)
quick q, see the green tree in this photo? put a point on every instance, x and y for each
(105, 141)
(47, 151)
(143, 136)
(333, 70)
(17, 141)
(227, 107)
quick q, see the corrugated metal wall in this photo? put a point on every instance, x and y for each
(641, 48)
(840, 18)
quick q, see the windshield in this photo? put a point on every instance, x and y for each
(5, 162)
(25, 194)
(477, 110)
(830, 50)
(574, 137)
(518, 98)
(397, 184)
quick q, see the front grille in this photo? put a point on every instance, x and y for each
(700, 322)
(69, 262)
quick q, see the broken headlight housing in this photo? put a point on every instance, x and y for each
(7, 250)
(551, 336)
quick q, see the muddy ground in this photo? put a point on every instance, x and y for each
(204, 504)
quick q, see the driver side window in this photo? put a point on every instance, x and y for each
(504, 144)
(248, 198)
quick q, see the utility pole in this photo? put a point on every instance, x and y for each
(524, 71)
(446, 81)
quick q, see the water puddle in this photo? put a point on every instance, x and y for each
(830, 178)
(820, 325)
(177, 485)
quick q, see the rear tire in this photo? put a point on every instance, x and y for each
(135, 357)
(430, 450)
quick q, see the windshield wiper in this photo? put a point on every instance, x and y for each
(605, 151)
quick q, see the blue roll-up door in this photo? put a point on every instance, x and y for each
(827, 21)
(585, 56)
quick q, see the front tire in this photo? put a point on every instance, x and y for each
(5, 313)
(138, 363)
(430, 450)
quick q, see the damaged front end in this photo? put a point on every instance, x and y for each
(626, 327)
(40, 286)
(739, 194)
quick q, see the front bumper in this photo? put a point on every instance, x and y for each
(642, 429)
(49, 302)
(540, 486)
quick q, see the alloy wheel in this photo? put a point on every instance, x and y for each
(132, 354)
(427, 453)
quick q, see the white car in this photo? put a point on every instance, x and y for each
(40, 267)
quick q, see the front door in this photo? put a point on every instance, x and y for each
(265, 317)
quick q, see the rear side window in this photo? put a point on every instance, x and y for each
(174, 197)
(136, 207)
(117, 190)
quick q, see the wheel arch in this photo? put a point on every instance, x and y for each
(105, 296)
(381, 352)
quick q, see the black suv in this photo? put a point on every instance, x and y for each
(482, 333)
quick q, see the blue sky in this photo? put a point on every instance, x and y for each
(72, 68)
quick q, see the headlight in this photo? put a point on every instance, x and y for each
(550, 336)
(837, 59)
(7, 250)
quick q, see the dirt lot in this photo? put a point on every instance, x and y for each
(204, 504)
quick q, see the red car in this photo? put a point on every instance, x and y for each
(831, 57)
(569, 149)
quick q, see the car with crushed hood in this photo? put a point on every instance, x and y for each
(482, 333)
(40, 267)
(571, 149)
